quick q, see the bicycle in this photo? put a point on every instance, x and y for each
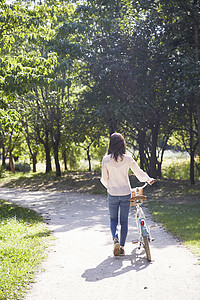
(145, 238)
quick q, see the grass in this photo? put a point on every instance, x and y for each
(181, 219)
(176, 204)
(23, 240)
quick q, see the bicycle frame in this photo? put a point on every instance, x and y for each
(143, 230)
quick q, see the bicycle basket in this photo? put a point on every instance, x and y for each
(138, 198)
(139, 192)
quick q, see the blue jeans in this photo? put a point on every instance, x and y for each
(116, 204)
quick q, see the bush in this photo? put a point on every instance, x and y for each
(20, 167)
(179, 171)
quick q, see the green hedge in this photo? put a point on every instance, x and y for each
(20, 167)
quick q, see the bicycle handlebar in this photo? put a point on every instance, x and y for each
(153, 181)
(144, 185)
(137, 189)
(140, 187)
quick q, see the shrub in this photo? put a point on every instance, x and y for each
(20, 167)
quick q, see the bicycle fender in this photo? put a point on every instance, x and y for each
(143, 227)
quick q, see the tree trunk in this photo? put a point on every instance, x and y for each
(12, 167)
(3, 157)
(89, 158)
(198, 120)
(45, 142)
(112, 126)
(56, 158)
(192, 151)
(65, 159)
(159, 169)
(192, 181)
(141, 141)
(34, 158)
(55, 138)
(197, 96)
(153, 160)
(48, 158)
(47, 152)
(159, 163)
(55, 117)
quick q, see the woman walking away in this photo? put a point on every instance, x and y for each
(115, 168)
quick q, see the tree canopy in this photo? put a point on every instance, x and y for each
(74, 72)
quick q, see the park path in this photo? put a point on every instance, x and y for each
(80, 264)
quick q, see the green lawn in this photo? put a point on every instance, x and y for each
(23, 240)
(177, 206)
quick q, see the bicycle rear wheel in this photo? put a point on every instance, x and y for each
(147, 248)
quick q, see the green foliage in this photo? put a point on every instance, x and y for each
(78, 72)
(73, 156)
(179, 171)
(176, 165)
(23, 239)
(10, 121)
(100, 149)
(20, 167)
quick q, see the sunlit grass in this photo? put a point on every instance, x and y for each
(181, 218)
(23, 240)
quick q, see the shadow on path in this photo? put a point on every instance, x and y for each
(115, 266)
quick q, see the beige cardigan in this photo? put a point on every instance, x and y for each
(114, 174)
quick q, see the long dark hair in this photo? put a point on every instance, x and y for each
(117, 146)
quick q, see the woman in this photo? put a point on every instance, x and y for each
(115, 168)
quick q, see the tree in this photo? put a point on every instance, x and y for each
(125, 62)
(41, 74)
(87, 128)
(10, 131)
(185, 45)
(129, 66)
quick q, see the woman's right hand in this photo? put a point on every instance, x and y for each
(152, 181)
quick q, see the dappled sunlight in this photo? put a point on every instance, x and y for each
(62, 210)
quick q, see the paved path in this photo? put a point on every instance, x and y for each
(81, 266)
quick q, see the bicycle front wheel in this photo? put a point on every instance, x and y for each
(147, 248)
